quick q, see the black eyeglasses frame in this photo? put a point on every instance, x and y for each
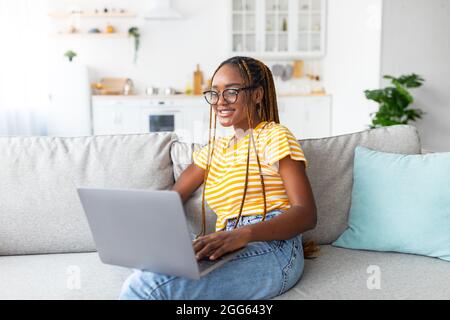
(238, 90)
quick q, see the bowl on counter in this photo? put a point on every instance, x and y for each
(155, 91)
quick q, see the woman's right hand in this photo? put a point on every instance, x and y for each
(215, 245)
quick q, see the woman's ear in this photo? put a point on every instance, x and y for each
(258, 95)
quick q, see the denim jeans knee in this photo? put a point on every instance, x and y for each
(144, 285)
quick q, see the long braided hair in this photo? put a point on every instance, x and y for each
(254, 74)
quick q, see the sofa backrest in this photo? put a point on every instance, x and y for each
(181, 153)
(330, 173)
(39, 207)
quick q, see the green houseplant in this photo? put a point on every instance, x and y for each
(134, 32)
(70, 55)
(394, 101)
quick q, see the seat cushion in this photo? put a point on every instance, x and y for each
(345, 273)
(59, 276)
(40, 211)
(336, 274)
(330, 172)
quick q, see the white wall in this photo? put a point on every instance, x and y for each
(416, 38)
(169, 49)
(352, 62)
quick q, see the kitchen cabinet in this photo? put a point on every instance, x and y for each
(69, 100)
(116, 116)
(305, 116)
(142, 114)
(278, 28)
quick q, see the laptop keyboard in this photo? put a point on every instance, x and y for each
(207, 263)
(204, 263)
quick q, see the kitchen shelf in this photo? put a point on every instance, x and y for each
(65, 15)
(92, 35)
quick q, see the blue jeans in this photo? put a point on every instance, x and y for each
(262, 271)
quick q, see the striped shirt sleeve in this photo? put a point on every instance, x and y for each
(199, 156)
(281, 143)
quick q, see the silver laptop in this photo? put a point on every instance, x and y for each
(144, 229)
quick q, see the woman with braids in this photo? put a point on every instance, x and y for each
(255, 181)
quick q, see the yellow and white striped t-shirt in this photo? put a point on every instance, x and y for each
(225, 186)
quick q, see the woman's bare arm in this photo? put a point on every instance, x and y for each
(300, 217)
(190, 179)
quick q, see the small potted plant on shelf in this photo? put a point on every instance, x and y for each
(134, 32)
(70, 54)
(394, 101)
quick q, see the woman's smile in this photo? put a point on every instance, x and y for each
(225, 112)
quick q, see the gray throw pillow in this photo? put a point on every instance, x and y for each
(40, 211)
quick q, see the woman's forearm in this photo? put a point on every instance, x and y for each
(285, 226)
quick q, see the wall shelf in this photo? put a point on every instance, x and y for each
(92, 35)
(65, 15)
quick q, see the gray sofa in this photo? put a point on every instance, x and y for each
(47, 252)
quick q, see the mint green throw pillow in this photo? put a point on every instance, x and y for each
(399, 203)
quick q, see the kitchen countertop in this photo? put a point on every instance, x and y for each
(185, 96)
(143, 96)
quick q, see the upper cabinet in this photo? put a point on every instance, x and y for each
(278, 28)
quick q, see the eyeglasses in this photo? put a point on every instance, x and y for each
(229, 95)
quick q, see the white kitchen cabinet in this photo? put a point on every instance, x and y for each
(278, 28)
(116, 116)
(141, 114)
(306, 117)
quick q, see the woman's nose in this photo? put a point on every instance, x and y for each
(221, 100)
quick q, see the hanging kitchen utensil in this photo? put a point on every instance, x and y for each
(277, 70)
(287, 72)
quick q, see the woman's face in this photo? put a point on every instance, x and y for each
(231, 114)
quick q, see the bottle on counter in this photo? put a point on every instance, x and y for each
(284, 25)
(207, 85)
(188, 89)
(198, 81)
(298, 69)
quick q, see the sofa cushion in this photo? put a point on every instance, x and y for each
(40, 211)
(400, 203)
(60, 277)
(330, 172)
(337, 274)
(356, 274)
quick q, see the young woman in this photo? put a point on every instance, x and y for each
(255, 182)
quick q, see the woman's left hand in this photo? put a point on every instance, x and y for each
(217, 244)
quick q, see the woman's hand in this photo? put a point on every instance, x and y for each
(217, 244)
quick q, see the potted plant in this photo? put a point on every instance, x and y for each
(134, 32)
(394, 101)
(70, 55)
